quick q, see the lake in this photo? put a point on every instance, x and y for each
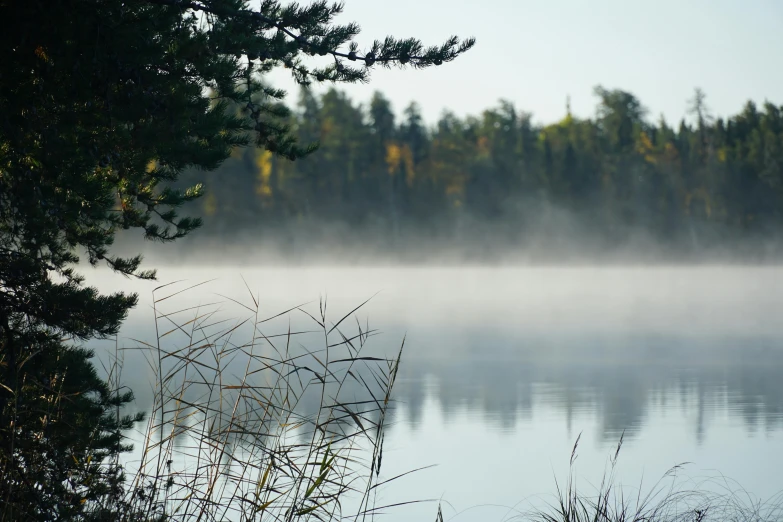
(503, 368)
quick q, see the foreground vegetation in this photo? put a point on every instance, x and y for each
(104, 104)
(674, 498)
(247, 424)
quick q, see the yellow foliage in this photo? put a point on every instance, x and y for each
(264, 165)
(722, 155)
(393, 157)
(646, 148)
(400, 157)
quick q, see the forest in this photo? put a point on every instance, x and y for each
(488, 183)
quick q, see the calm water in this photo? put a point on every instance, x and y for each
(504, 368)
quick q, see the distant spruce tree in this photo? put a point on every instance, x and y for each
(103, 103)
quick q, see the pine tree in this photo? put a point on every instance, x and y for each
(104, 104)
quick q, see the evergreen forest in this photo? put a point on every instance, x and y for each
(492, 183)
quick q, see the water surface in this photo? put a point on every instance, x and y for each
(504, 367)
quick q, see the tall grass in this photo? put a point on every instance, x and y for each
(248, 423)
(673, 498)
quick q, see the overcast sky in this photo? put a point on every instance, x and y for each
(536, 53)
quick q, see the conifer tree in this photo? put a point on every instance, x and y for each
(103, 104)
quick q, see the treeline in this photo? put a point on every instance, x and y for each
(688, 186)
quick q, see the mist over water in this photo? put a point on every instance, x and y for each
(530, 232)
(504, 366)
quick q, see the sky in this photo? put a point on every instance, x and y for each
(538, 53)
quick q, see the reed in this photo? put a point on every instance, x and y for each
(675, 497)
(248, 423)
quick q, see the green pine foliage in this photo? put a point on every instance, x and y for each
(68, 429)
(103, 104)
